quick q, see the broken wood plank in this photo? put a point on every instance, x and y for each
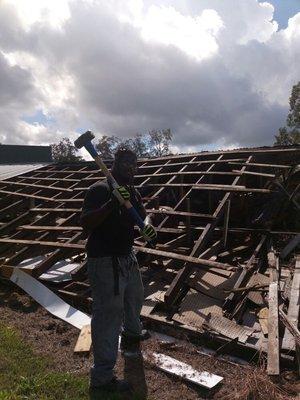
(190, 259)
(291, 326)
(173, 292)
(49, 228)
(292, 244)
(180, 213)
(175, 256)
(55, 210)
(60, 189)
(294, 307)
(260, 174)
(44, 243)
(244, 277)
(262, 165)
(263, 316)
(84, 341)
(273, 331)
(222, 188)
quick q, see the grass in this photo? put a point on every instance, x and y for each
(27, 376)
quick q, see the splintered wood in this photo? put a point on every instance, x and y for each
(227, 239)
(84, 341)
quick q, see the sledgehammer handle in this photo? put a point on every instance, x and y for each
(131, 210)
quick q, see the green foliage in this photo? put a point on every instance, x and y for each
(159, 142)
(290, 135)
(64, 151)
(139, 144)
(153, 144)
(107, 146)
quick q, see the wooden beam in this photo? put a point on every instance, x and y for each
(43, 243)
(184, 258)
(55, 256)
(49, 228)
(259, 174)
(291, 327)
(60, 189)
(292, 244)
(294, 307)
(226, 224)
(261, 165)
(244, 277)
(273, 331)
(56, 210)
(220, 188)
(11, 207)
(180, 213)
(166, 254)
(50, 199)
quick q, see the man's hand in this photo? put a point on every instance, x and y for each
(149, 233)
(121, 194)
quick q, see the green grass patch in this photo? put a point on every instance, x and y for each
(27, 376)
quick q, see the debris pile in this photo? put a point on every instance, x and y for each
(225, 270)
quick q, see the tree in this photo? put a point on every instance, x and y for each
(290, 135)
(153, 144)
(283, 138)
(159, 141)
(107, 146)
(138, 144)
(64, 151)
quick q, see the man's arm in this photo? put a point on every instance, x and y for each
(90, 219)
(96, 207)
(99, 203)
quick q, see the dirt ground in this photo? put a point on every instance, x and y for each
(54, 338)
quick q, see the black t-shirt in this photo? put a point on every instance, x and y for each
(115, 235)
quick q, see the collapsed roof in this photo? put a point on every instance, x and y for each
(226, 259)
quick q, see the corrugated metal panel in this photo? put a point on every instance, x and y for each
(10, 170)
(195, 307)
(228, 328)
(214, 285)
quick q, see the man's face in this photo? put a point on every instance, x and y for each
(126, 166)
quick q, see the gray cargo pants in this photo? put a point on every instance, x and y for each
(109, 310)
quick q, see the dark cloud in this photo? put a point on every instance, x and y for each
(122, 84)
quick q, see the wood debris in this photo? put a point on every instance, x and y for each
(226, 266)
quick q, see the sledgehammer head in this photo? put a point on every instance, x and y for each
(83, 139)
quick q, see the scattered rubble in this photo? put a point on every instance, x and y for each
(226, 268)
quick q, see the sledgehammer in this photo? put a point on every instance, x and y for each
(85, 140)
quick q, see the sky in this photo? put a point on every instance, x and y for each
(217, 73)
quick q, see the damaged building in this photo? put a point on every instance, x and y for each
(226, 267)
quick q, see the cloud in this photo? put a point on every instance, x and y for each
(217, 73)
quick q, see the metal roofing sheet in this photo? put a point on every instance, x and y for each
(10, 170)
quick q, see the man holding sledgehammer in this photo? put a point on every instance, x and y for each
(114, 275)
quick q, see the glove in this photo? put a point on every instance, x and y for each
(121, 194)
(149, 233)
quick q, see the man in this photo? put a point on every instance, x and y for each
(114, 276)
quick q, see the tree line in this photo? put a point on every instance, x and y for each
(156, 143)
(290, 134)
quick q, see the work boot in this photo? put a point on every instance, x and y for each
(113, 386)
(132, 343)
